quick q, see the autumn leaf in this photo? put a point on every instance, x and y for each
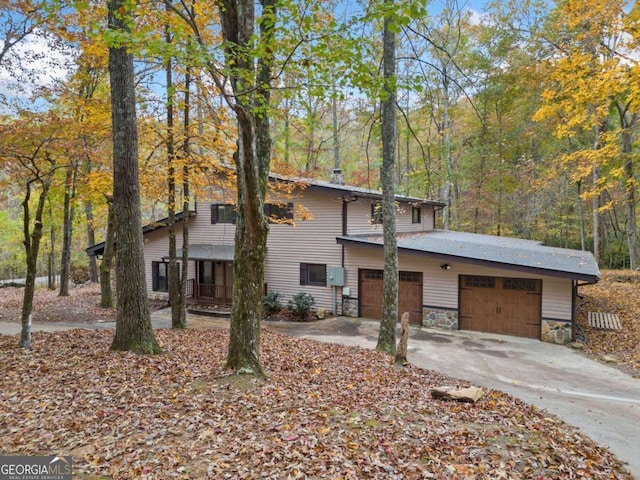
(122, 415)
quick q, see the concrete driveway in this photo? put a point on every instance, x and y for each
(599, 399)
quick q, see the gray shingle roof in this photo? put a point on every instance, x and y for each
(351, 190)
(488, 250)
(203, 251)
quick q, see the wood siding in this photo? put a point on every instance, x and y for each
(440, 287)
(359, 218)
(313, 240)
(307, 241)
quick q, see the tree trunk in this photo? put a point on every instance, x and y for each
(387, 333)
(186, 196)
(134, 331)
(51, 261)
(250, 102)
(627, 122)
(337, 169)
(401, 351)
(31, 246)
(583, 236)
(67, 229)
(446, 211)
(106, 292)
(595, 201)
(91, 240)
(248, 266)
(174, 280)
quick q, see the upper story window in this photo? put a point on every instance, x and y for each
(376, 213)
(278, 212)
(223, 213)
(416, 215)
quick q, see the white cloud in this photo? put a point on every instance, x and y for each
(31, 64)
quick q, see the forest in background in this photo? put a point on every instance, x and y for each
(522, 118)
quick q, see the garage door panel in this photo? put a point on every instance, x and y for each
(409, 294)
(510, 306)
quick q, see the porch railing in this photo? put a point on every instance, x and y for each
(215, 294)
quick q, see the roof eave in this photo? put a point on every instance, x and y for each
(98, 248)
(588, 278)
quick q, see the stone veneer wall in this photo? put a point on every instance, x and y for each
(444, 318)
(553, 331)
(556, 331)
(349, 307)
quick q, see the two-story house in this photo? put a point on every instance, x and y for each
(326, 240)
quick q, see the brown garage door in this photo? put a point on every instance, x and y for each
(409, 294)
(510, 306)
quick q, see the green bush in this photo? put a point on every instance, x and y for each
(79, 273)
(271, 302)
(301, 305)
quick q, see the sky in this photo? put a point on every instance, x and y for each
(43, 66)
(40, 66)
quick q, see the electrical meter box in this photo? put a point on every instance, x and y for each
(335, 276)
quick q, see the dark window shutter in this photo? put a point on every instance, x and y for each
(154, 276)
(303, 274)
(214, 214)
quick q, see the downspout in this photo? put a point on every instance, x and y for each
(435, 210)
(345, 202)
(574, 310)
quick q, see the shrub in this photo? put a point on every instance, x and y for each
(79, 273)
(271, 302)
(301, 305)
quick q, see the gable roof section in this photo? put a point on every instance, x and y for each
(491, 251)
(98, 248)
(353, 191)
(342, 189)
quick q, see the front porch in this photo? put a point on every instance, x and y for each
(211, 282)
(208, 293)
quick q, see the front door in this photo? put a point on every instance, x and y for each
(215, 282)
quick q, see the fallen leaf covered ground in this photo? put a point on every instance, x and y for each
(617, 292)
(325, 411)
(82, 305)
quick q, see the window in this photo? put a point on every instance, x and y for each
(313, 274)
(205, 272)
(373, 274)
(276, 212)
(523, 284)
(223, 213)
(412, 277)
(376, 213)
(416, 215)
(479, 282)
(160, 276)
